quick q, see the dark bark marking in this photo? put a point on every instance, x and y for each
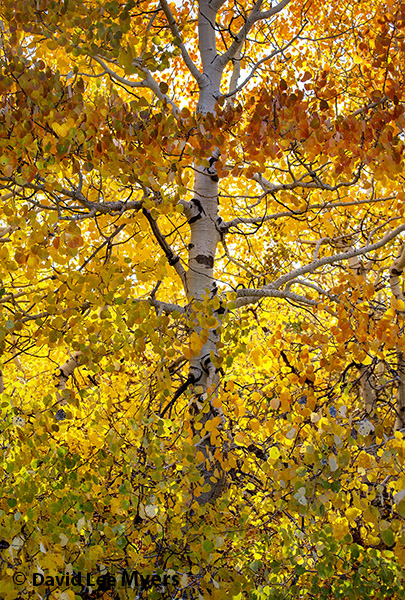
(205, 260)
(200, 209)
(194, 219)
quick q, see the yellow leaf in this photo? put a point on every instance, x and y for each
(275, 403)
(200, 457)
(256, 397)
(352, 513)
(96, 440)
(254, 425)
(274, 453)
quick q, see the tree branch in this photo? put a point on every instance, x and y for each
(101, 207)
(233, 83)
(316, 183)
(368, 106)
(148, 82)
(241, 36)
(166, 307)
(226, 225)
(328, 260)
(176, 33)
(249, 296)
(172, 258)
(273, 11)
(309, 284)
(235, 89)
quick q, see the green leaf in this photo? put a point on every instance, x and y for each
(387, 536)
(208, 546)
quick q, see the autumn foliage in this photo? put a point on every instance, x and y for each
(201, 299)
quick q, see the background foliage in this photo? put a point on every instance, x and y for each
(103, 133)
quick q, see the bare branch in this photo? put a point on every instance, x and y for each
(148, 28)
(148, 82)
(241, 35)
(176, 33)
(318, 247)
(166, 307)
(95, 207)
(226, 225)
(235, 89)
(328, 260)
(114, 75)
(106, 242)
(316, 183)
(354, 263)
(12, 297)
(172, 258)
(309, 284)
(253, 17)
(234, 261)
(368, 106)
(273, 11)
(233, 83)
(250, 296)
(187, 206)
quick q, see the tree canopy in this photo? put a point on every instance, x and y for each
(201, 299)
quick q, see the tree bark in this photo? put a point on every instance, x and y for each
(204, 240)
(395, 273)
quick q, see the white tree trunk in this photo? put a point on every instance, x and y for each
(202, 250)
